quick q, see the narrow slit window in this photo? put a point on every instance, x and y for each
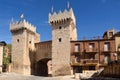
(18, 40)
(30, 42)
(60, 39)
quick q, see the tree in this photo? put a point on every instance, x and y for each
(6, 57)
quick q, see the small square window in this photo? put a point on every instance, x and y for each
(60, 39)
(60, 27)
(17, 40)
(110, 34)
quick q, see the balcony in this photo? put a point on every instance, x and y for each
(92, 50)
(76, 52)
(105, 50)
(86, 62)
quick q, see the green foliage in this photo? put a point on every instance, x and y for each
(9, 46)
(6, 59)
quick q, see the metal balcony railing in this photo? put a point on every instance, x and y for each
(91, 50)
(85, 61)
(89, 61)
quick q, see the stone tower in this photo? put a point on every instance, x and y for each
(23, 38)
(63, 31)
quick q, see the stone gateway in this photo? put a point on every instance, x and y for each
(64, 54)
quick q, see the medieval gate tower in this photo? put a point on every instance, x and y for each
(63, 31)
(23, 38)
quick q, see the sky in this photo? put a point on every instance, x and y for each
(93, 17)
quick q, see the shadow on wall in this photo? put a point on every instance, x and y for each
(32, 61)
(38, 68)
(41, 67)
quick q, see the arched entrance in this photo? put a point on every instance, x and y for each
(42, 67)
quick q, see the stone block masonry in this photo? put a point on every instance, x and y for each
(63, 31)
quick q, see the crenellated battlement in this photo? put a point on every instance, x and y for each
(61, 17)
(21, 25)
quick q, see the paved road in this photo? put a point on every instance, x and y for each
(13, 76)
(102, 79)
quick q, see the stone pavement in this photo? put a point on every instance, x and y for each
(14, 76)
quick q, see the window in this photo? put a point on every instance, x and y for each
(91, 46)
(106, 46)
(91, 67)
(77, 47)
(17, 40)
(30, 42)
(60, 27)
(60, 39)
(106, 59)
(110, 34)
(77, 59)
(91, 56)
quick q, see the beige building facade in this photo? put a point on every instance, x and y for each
(24, 37)
(1, 56)
(2, 44)
(34, 55)
(64, 54)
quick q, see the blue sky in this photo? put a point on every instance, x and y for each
(93, 17)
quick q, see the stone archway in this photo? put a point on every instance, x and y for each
(42, 67)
